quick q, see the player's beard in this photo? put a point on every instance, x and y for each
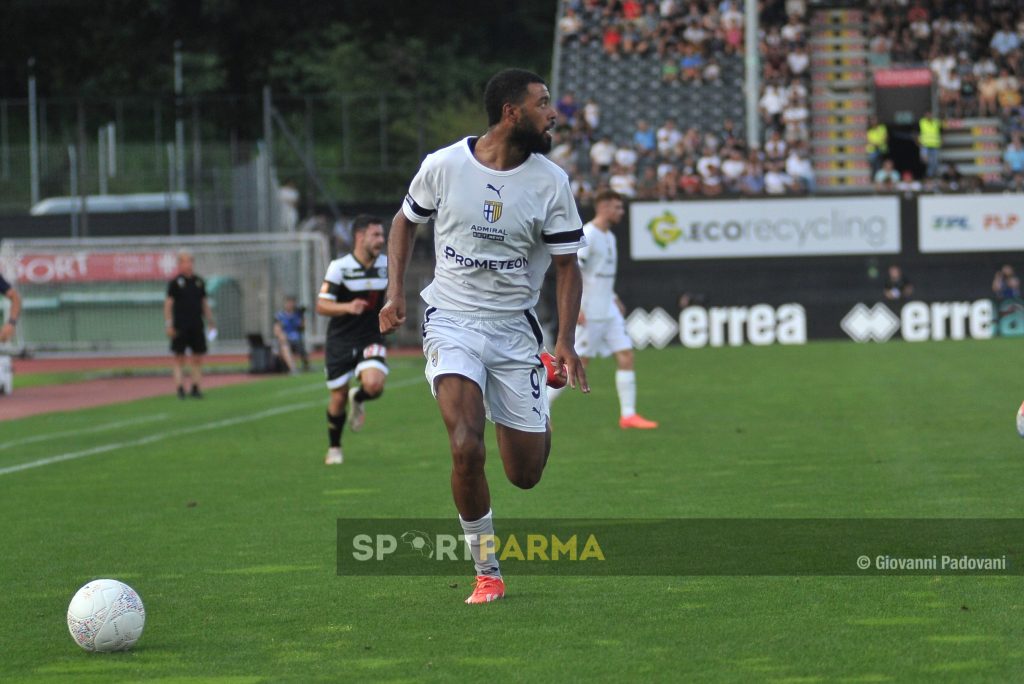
(529, 139)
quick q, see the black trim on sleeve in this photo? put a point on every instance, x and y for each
(417, 209)
(563, 237)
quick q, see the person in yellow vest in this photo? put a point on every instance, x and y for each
(878, 144)
(930, 142)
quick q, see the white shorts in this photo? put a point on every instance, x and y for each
(501, 355)
(603, 338)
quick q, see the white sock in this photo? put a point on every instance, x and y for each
(553, 393)
(625, 385)
(473, 531)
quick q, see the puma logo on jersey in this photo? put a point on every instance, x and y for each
(497, 190)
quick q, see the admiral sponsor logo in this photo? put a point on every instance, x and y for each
(489, 232)
(488, 264)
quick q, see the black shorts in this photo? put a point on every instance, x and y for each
(298, 346)
(342, 362)
(189, 338)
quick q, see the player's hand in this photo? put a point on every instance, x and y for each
(392, 315)
(6, 332)
(581, 319)
(577, 374)
(357, 306)
(171, 332)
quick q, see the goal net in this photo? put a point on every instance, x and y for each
(107, 294)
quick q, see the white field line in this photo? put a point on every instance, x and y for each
(83, 431)
(156, 437)
(302, 389)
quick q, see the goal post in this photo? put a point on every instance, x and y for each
(107, 294)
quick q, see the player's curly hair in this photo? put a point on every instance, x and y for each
(507, 87)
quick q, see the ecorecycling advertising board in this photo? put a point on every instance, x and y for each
(764, 228)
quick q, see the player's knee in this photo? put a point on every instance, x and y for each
(374, 388)
(526, 479)
(467, 452)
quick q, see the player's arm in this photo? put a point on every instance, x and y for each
(618, 304)
(419, 205)
(279, 335)
(568, 291)
(169, 316)
(7, 331)
(327, 304)
(208, 314)
(400, 243)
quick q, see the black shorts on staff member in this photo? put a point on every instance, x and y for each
(190, 338)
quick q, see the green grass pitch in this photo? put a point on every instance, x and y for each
(222, 516)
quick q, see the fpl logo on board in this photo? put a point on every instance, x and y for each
(999, 221)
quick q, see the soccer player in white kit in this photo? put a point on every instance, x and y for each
(601, 329)
(502, 213)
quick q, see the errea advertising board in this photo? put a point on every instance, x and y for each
(764, 228)
(970, 223)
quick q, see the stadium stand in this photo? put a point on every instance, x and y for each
(653, 62)
(840, 100)
(683, 62)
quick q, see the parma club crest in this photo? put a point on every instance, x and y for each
(492, 210)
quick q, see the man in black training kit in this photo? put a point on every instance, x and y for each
(352, 295)
(184, 310)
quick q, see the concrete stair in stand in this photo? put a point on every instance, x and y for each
(840, 102)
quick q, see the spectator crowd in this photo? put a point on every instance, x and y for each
(660, 160)
(975, 50)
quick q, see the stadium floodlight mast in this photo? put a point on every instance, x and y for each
(33, 131)
(179, 123)
(752, 63)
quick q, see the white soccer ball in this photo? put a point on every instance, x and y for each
(106, 615)
(1020, 420)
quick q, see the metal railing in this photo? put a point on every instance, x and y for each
(336, 146)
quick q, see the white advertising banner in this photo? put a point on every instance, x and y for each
(764, 228)
(970, 223)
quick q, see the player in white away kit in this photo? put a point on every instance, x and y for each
(503, 212)
(602, 330)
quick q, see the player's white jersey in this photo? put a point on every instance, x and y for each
(598, 262)
(494, 231)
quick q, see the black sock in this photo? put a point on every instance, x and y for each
(362, 396)
(335, 424)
